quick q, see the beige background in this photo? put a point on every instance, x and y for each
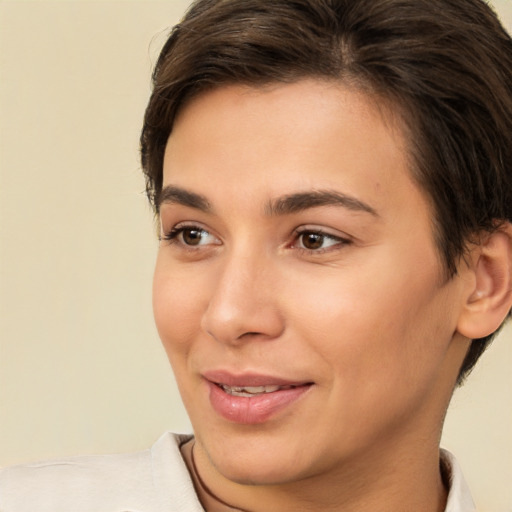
(81, 367)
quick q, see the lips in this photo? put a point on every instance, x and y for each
(252, 398)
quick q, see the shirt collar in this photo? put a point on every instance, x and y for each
(459, 496)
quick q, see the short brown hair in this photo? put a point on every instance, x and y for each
(445, 65)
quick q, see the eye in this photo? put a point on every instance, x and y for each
(191, 236)
(318, 241)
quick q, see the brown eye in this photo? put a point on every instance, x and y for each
(190, 236)
(193, 236)
(312, 241)
(318, 241)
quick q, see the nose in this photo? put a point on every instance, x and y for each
(244, 302)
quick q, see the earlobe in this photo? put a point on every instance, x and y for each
(489, 296)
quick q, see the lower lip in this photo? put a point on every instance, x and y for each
(253, 409)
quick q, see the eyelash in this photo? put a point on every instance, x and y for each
(172, 237)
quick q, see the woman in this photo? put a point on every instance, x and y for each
(332, 183)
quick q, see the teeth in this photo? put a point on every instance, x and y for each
(248, 391)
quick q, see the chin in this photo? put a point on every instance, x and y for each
(270, 472)
(258, 461)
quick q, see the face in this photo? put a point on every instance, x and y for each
(298, 292)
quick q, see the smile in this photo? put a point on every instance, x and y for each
(252, 399)
(249, 391)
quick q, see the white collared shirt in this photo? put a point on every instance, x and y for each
(154, 480)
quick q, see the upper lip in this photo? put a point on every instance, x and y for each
(249, 379)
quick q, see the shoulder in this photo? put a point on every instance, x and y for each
(152, 480)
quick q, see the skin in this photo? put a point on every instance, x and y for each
(366, 316)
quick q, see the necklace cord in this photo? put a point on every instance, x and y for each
(205, 489)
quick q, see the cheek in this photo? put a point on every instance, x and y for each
(374, 319)
(176, 307)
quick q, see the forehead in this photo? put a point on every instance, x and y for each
(315, 94)
(307, 131)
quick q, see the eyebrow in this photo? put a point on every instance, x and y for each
(176, 195)
(285, 205)
(300, 201)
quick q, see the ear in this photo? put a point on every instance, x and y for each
(489, 292)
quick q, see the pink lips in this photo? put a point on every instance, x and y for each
(251, 409)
